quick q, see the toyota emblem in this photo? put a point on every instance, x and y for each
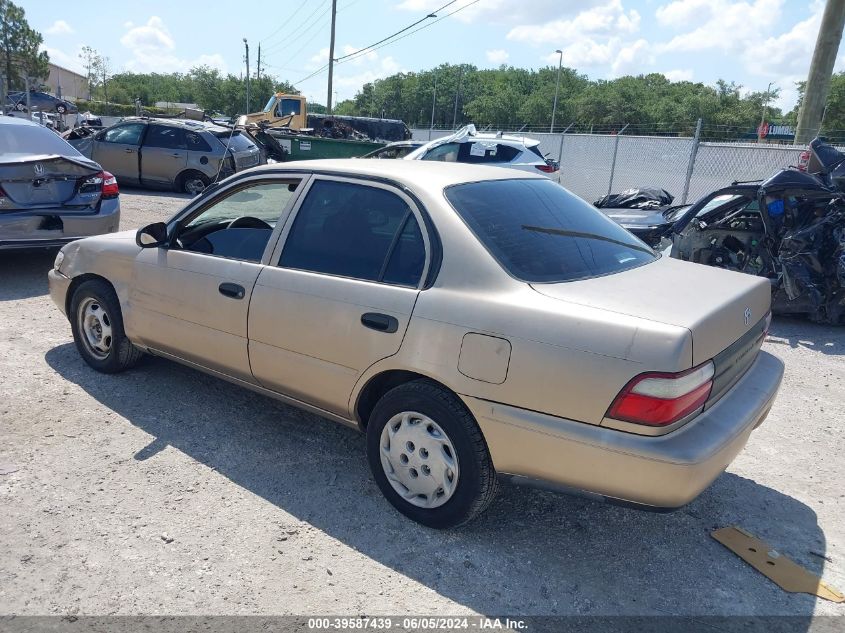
(39, 169)
(747, 316)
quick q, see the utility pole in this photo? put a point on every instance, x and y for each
(765, 112)
(821, 69)
(457, 93)
(258, 66)
(557, 85)
(433, 101)
(246, 47)
(331, 59)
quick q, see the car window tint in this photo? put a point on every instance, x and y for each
(237, 142)
(196, 143)
(486, 152)
(129, 134)
(539, 232)
(345, 229)
(165, 137)
(254, 211)
(407, 260)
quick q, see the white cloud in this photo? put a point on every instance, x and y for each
(609, 18)
(722, 25)
(631, 59)
(679, 74)
(497, 56)
(59, 27)
(153, 50)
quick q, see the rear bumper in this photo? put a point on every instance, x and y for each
(48, 228)
(661, 472)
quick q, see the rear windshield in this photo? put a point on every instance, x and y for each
(33, 139)
(238, 143)
(539, 232)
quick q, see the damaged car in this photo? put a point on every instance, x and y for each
(789, 229)
(50, 194)
(648, 213)
(170, 153)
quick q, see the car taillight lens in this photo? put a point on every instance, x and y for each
(110, 188)
(546, 169)
(660, 399)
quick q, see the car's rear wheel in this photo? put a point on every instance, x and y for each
(428, 456)
(97, 325)
(61, 108)
(192, 182)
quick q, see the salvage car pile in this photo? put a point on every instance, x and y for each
(790, 229)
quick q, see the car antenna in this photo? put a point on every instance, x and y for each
(228, 142)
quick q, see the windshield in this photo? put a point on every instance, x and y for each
(539, 232)
(34, 140)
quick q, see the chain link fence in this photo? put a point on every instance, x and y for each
(592, 165)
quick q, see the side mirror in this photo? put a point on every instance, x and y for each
(152, 235)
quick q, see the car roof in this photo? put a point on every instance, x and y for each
(13, 120)
(426, 173)
(196, 126)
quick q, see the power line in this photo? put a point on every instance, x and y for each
(288, 21)
(424, 26)
(302, 29)
(410, 26)
(371, 48)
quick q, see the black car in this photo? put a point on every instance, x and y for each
(39, 101)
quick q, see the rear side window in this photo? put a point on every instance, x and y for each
(238, 142)
(355, 231)
(165, 137)
(196, 143)
(539, 232)
(486, 152)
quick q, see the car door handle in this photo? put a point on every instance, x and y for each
(380, 322)
(128, 150)
(176, 154)
(232, 290)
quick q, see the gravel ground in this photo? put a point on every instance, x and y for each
(164, 491)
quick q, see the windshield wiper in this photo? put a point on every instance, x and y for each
(588, 236)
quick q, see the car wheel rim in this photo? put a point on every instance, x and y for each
(418, 459)
(194, 185)
(95, 328)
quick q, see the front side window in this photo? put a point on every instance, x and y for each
(238, 225)
(356, 231)
(290, 106)
(129, 134)
(539, 232)
(165, 137)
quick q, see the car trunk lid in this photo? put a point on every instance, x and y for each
(39, 182)
(718, 307)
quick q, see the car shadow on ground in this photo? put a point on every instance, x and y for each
(800, 332)
(155, 193)
(532, 552)
(23, 274)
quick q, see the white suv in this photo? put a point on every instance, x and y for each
(468, 146)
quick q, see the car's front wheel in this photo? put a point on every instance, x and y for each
(97, 325)
(428, 455)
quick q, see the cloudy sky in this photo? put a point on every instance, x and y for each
(752, 42)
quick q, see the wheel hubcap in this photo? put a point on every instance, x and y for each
(95, 327)
(419, 459)
(195, 185)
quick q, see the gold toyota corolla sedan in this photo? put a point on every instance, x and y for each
(475, 322)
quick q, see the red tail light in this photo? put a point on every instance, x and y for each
(110, 189)
(659, 398)
(546, 169)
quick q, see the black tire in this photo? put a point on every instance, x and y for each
(61, 108)
(476, 484)
(20, 107)
(122, 354)
(184, 180)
